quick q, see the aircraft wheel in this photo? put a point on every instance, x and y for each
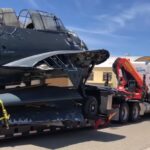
(91, 106)
(134, 112)
(124, 113)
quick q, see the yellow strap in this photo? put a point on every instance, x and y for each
(5, 116)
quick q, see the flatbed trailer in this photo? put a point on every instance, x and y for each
(40, 109)
(36, 108)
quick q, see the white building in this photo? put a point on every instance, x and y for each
(142, 64)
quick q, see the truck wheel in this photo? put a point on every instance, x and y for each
(124, 113)
(91, 106)
(134, 112)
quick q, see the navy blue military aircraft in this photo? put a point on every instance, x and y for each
(35, 45)
(34, 39)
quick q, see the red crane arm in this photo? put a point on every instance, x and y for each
(122, 67)
(126, 72)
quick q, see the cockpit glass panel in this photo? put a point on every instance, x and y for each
(37, 21)
(8, 17)
(1, 19)
(49, 23)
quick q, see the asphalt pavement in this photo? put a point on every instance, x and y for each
(115, 137)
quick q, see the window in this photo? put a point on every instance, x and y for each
(8, 17)
(91, 77)
(107, 75)
(49, 22)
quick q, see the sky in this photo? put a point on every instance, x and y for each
(120, 26)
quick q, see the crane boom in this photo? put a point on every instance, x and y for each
(130, 82)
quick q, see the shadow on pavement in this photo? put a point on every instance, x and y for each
(63, 139)
(115, 124)
(66, 138)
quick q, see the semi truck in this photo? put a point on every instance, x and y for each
(132, 95)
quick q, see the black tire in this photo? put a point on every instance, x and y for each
(134, 112)
(124, 113)
(91, 107)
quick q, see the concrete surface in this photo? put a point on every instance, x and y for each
(115, 137)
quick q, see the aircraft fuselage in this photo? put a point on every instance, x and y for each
(18, 43)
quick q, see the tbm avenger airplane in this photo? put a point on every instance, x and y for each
(36, 45)
(30, 40)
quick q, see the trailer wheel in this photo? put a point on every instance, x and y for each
(124, 113)
(134, 112)
(91, 106)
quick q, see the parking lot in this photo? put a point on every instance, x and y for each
(115, 137)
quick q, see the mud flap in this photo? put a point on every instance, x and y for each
(103, 121)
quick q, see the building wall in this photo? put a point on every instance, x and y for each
(98, 74)
(144, 69)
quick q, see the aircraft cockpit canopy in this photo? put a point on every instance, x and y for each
(40, 20)
(30, 19)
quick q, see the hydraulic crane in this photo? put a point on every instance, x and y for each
(132, 95)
